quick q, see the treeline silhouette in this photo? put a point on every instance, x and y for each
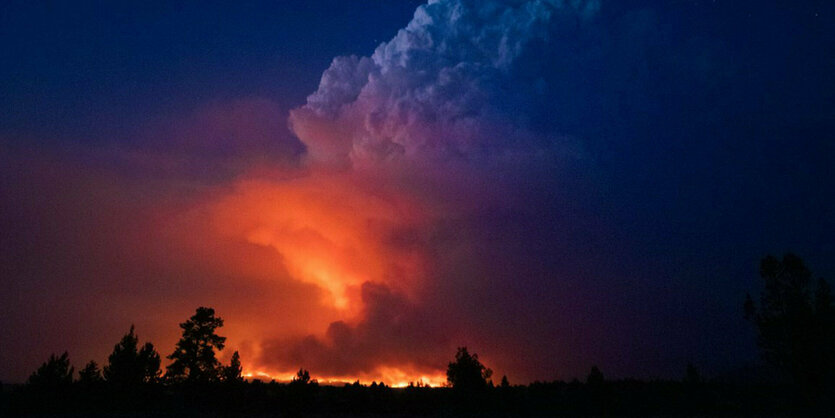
(794, 318)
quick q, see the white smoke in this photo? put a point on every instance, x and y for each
(437, 89)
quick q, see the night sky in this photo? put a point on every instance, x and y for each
(360, 187)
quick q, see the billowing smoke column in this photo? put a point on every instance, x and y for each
(447, 86)
(419, 207)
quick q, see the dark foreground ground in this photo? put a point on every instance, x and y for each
(255, 399)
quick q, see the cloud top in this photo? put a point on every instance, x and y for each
(439, 88)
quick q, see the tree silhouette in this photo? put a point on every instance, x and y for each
(301, 394)
(303, 378)
(129, 366)
(595, 377)
(53, 373)
(795, 324)
(692, 376)
(194, 356)
(90, 374)
(232, 372)
(466, 373)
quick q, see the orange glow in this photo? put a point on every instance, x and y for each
(331, 231)
(391, 376)
(328, 230)
(399, 378)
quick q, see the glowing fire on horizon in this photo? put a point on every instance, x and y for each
(332, 233)
(391, 376)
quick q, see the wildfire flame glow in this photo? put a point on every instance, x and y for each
(391, 376)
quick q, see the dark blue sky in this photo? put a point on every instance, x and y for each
(674, 144)
(86, 72)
